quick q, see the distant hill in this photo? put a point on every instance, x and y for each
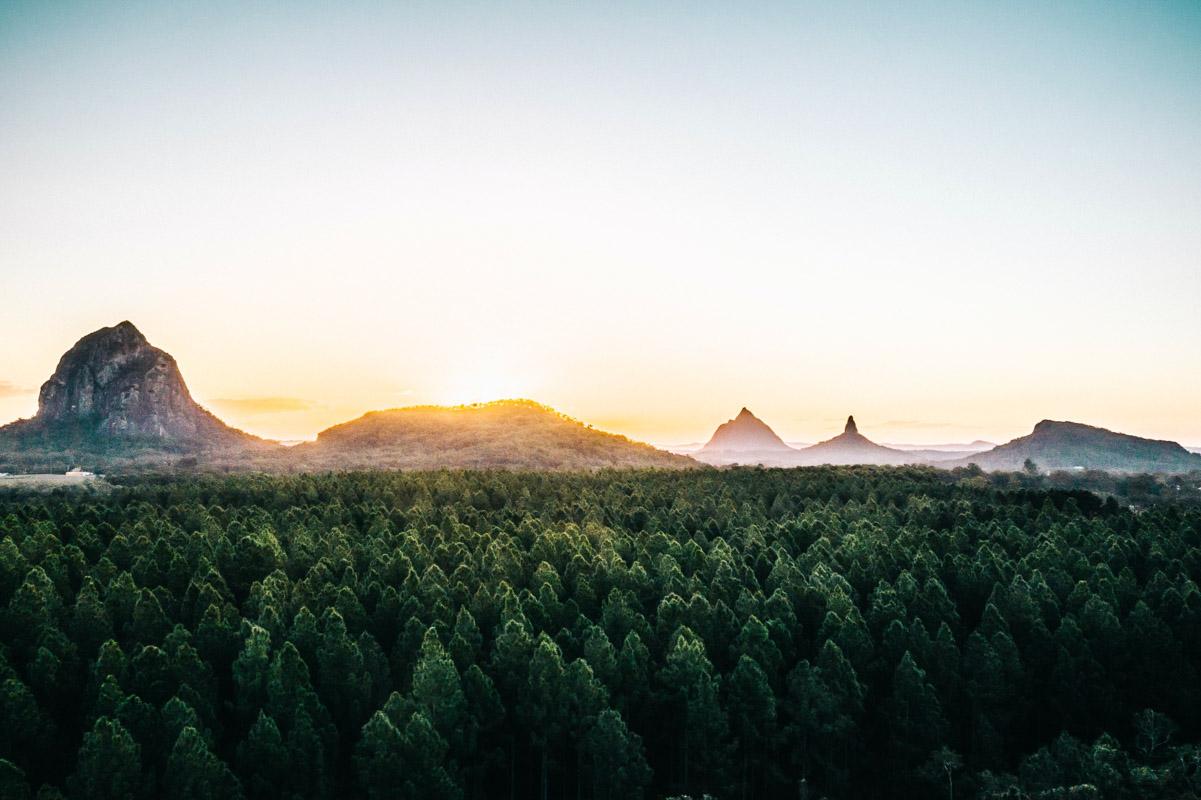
(115, 399)
(937, 454)
(1071, 445)
(978, 446)
(852, 447)
(507, 434)
(745, 439)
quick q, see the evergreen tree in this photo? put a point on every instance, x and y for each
(194, 773)
(263, 760)
(615, 757)
(109, 765)
(752, 720)
(702, 731)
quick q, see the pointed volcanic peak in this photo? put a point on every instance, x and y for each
(852, 447)
(745, 433)
(505, 434)
(1057, 445)
(745, 439)
(115, 395)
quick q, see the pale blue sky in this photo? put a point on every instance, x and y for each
(949, 219)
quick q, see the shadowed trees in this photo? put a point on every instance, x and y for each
(856, 632)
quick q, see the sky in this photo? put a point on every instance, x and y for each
(951, 220)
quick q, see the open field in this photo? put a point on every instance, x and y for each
(48, 481)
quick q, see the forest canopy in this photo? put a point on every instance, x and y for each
(836, 632)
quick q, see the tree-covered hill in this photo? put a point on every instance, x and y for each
(504, 434)
(831, 632)
(1073, 446)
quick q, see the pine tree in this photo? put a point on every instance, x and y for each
(109, 765)
(438, 692)
(250, 672)
(615, 757)
(194, 773)
(543, 705)
(13, 785)
(913, 714)
(263, 760)
(752, 720)
(702, 729)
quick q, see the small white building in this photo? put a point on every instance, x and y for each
(79, 472)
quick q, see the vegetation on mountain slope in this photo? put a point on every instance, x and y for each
(508, 434)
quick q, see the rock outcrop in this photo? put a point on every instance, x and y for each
(115, 398)
(116, 384)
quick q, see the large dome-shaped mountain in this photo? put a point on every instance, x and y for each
(117, 384)
(114, 393)
(1054, 445)
(504, 434)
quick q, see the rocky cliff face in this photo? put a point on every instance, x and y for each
(113, 384)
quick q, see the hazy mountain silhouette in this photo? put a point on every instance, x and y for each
(744, 433)
(117, 402)
(939, 454)
(852, 447)
(115, 397)
(978, 446)
(509, 434)
(745, 439)
(1072, 445)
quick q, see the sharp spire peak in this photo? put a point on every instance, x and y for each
(851, 427)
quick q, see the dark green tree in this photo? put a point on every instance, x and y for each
(109, 765)
(194, 773)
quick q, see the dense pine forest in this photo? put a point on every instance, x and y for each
(827, 632)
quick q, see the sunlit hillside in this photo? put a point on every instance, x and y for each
(502, 434)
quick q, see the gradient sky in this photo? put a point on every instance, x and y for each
(951, 220)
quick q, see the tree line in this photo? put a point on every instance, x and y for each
(748, 633)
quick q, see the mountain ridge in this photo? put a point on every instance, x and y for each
(504, 434)
(116, 400)
(1064, 445)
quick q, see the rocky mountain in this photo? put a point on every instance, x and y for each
(744, 433)
(506, 434)
(745, 439)
(852, 447)
(1071, 445)
(114, 397)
